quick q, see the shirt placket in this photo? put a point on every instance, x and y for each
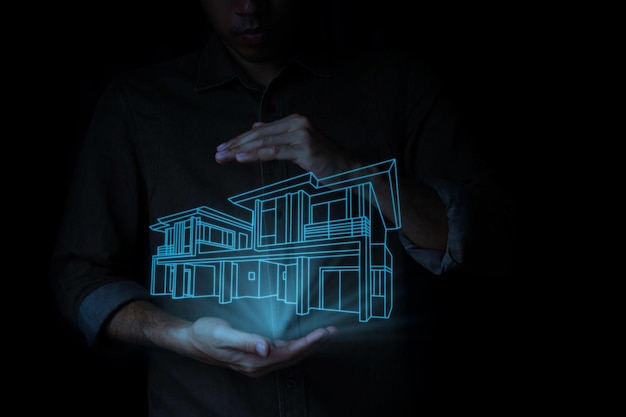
(291, 392)
(289, 382)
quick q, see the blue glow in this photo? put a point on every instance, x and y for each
(313, 244)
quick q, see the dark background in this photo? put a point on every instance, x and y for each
(491, 56)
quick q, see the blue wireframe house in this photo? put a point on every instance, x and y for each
(316, 243)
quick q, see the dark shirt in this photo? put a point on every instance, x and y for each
(149, 154)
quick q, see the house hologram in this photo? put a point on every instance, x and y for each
(308, 241)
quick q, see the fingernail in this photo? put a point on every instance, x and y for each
(220, 154)
(260, 348)
(222, 146)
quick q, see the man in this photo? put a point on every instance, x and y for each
(195, 222)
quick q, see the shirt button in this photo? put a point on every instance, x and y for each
(291, 383)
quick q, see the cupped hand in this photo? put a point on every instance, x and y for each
(215, 341)
(292, 138)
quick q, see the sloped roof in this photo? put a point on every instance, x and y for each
(311, 184)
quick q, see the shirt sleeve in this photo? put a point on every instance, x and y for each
(96, 308)
(459, 222)
(96, 265)
(445, 152)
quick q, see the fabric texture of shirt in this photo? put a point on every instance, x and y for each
(149, 152)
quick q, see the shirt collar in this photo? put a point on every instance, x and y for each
(216, 68)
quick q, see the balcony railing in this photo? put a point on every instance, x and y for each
(334, 229)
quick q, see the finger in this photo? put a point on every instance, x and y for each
(224, 156)
(247, 342)
(247, 150)
(266, 140)
(298, 346)
(260, 129)
(312, 336)
(268, 153)
(285, 353)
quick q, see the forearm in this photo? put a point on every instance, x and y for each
(142, 323)
(423, 214)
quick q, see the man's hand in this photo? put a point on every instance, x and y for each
(213, 340)
(292, 138)
(210, 339)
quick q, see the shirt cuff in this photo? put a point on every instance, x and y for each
(98, 306)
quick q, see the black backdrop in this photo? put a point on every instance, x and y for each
(484, 52)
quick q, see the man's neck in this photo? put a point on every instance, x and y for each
(261, 72)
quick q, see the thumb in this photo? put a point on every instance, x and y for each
(250, 343)
(262, 348)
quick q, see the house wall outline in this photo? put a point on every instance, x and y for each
(307, 241)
